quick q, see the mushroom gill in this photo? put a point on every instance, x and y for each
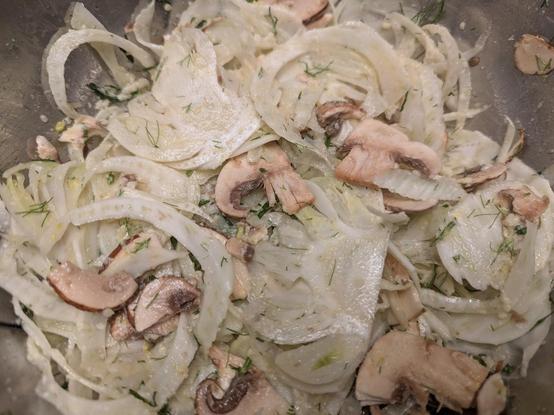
(273, 169)
(89, 291)
(375, 147)
(331, 115)
(401, 363)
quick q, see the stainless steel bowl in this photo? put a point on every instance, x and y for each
(26, 26)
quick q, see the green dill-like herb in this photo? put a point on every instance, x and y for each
(520, 229)
(481, 359)
(457, 258)
(273, 20)
(404, 101)
(148, 402)
(188, 107)
(508, 369)
(246, 366)
(110, 178)
(506, 246)
(432, 12)
(542, 66)
(291, 410)
(203, 202)
(251, 1)
(37, 209)
(173, 241)
(263, 210)
(153, 141)
(540, 321)
(262, 170)
(260, 73)
(236, 332)
(328, 142)
(108, 92)
(188, 173)
(165, 410)
(545, 3)
(201, 24)
(316, 69)
(333, 272)
(325, 360)
(443, 232)
(223, 259)
(141, 245)
(27, 311)
(197, 266)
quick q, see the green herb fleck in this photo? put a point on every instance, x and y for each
(223, 259)
(328, 142)
(148, 402)
(542, 66)
(520, 230)
(404, 101)
(37, 209)
(195, 262)
(236, 332)
(325, 360)
(506, 246)
(316, 69)
(540, 321)
(201, 24)
(27, 311)
(457, 258)
(141, 245)
(108, 92)
(203, 202)
(263, 210)
(189, 173)
(333, 272)
(508, 369)
(246, 366)
(443, 232)
(273, 20)
(291, 410)
(151, 139)
(110, 178)
(545, 3)
(173, 242)
(432, 12)
(165, 410)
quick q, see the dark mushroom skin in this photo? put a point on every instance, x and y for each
(471, 179)
(239, 249)
(232, 397)
(331, 115)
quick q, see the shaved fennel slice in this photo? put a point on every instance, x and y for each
(152, 140)
(81, 18)
(422, 113)
(358, 40)
(198, 107)
(416, 187)
(452, 304)
(467, 150)
(159, 180)
(449, 47)
(144, 260)
(142, 27)
(211, 254)
(65, 44)
(175, 367)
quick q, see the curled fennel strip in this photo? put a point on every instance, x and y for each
(60, 50)
(215, 261)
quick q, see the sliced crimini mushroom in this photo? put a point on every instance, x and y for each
(247, 391)
(473, 178)
(120, 327)
(405, 304)
(89, 291)
(375, 147)
(402, 362)
(492, 397)
(534, 55)
(42, 149)
(239, 249)
(523, 202)
(332, 114)
(309, 11)
(161, 299)
(161, 329)
(396, 203)
(240, 177)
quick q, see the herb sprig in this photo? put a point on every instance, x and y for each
(316, 70)
(432, 12)
(38, 209)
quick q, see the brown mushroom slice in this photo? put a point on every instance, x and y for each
(240, 177)
(523, 202)
(470, 180)
(161, 329)
(405, 304)
(332, 114)
(396, 203)
(42, 149)
(239, 249)
(534, 55)
(163, 298)
(246, 393)
(492, 397)
(403, 362)
(309, 11)
(120, 327)
(89, 291)
(375, 147)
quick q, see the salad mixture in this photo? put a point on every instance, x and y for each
(276, 208)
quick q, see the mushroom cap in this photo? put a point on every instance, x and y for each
(524, 202)
(473, 179)
(161, 299)
(240, 177)
(89, 291)
(331, 115)
(375, 147)
(401, 360)
(120, 327)
(533, 55)
(492, 397)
